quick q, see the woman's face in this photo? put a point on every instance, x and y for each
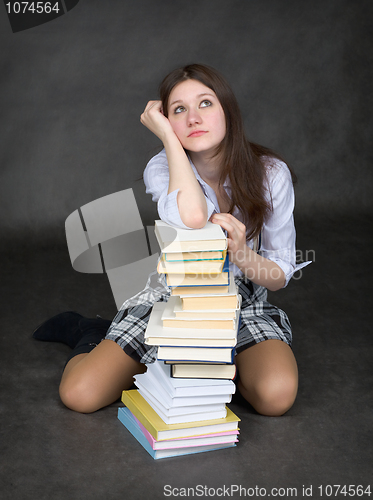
(196, 116)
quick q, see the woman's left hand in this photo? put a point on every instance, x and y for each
(237, 248)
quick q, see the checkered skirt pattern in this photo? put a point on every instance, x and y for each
(260, 320)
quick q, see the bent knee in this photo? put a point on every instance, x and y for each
(77, 396)
(274, 396)
(277, 396)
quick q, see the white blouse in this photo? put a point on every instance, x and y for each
(278, 232)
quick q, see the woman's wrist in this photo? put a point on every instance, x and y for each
(170, 139)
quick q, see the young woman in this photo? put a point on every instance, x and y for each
(207, 170)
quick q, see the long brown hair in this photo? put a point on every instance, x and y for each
(242, 160)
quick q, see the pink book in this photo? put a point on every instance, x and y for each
(189, 441)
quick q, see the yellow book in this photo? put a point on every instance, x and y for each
(161, 431)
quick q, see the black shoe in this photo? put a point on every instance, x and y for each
(63, 327)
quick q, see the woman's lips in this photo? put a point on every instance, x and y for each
(197, 133)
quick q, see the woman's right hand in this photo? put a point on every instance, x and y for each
(154, 119)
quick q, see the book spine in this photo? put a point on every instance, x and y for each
(139, 415)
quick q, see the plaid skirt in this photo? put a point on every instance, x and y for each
(260, 320)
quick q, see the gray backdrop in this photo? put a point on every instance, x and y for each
(72, 92)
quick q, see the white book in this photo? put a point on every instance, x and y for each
(179, 415)
(171, 239)
(155, 328)
(164, 341)
(215, 354)
(188, 387)
(159, 391)
(177, 410)
(193, 417)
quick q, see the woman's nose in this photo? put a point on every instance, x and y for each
(194, 117)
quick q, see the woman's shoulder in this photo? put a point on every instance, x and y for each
(277, 171)
(158, 159)
(156, 168)
(156, 173)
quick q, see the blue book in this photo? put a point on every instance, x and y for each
(128, 420)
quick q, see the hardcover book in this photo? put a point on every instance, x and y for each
(171, 239)
(199, 370)
(198, 279)
(218, 354)
(191, 256)
(182, 387)
(161, 431)
(155, 328)
(131, 424)
(188, 320)
(168, 400)
(191, 267)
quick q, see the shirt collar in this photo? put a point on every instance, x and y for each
(226, 183)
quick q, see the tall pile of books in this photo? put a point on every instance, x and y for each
(179, 406)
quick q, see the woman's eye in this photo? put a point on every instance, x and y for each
(205, 103)
(179, 109)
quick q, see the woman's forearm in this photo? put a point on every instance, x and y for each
(262, 271)
(190, 199)
(258, 269)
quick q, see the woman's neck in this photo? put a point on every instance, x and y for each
(208, 168)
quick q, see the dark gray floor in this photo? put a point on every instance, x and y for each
(49, 452)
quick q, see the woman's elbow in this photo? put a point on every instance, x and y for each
(278, 280)
(195, 220)
(274, 287)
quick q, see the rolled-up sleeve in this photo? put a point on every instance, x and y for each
(156, 178)
(278, 233)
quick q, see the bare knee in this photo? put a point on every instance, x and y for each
(277, 396)
(273, 395)
(78, 395)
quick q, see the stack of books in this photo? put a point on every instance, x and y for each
(186, 390)
(171, 417)
(200, 321)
